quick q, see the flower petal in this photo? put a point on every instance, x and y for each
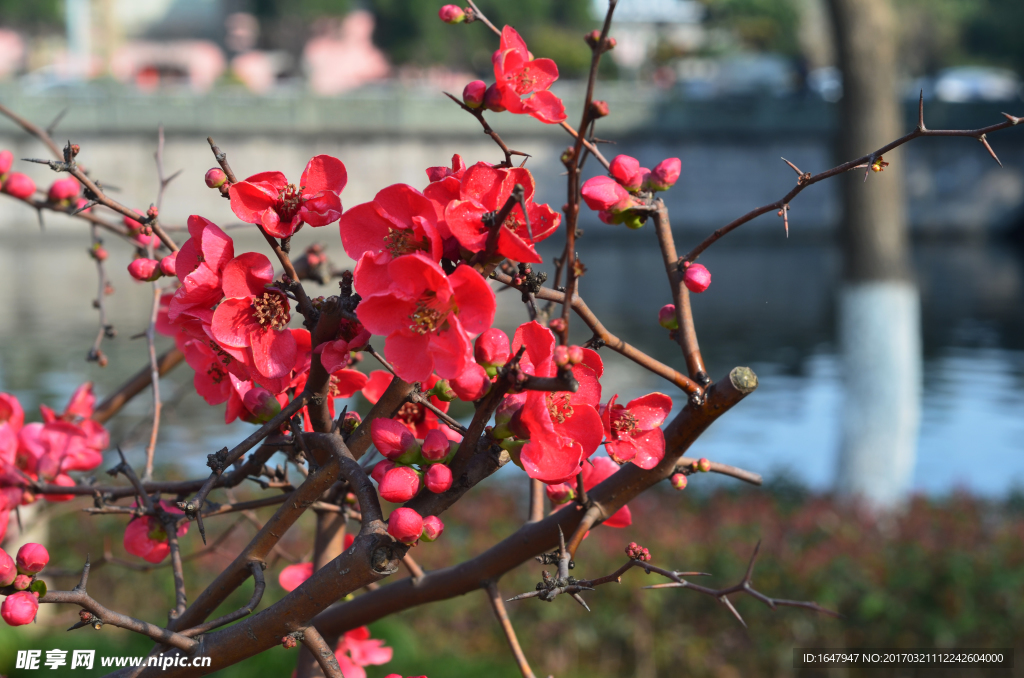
(475, 299)
(324, 173)
(409, 356)
(232, 322)
(247, 275)
(273, 351)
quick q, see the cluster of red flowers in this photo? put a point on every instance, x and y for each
(615, 196)
(46, 451)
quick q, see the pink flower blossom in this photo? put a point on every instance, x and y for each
(198, 265)
(405, 525)
(293, 575)
(519, 75)
(432, 528)
(485, 189)
(356, 649)
(281, 208)
(32, 558)
(254, 316)
(428, 316)
(596, 471)
(398, 221)
(697, 278)
(20, 608)
(417, 418)
(19, 185)
(632, 431)
(146, 537)
(602, 193)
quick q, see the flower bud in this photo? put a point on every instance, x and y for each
(145, 270)
(432, 528)
(350, 422)
(679, 481)
(634, 220)
(560, 493)
(704, 465)
(380, 469)
(438, 478)
(473, 94)
(602, 193)
(19, 185)
(561, 356)
(22, 582)
(262, 404)
(152, 212)
(6, 160)
(392, 438)
(557, 325)
(451, 14)
(598, 109)
(667, 317)
(288, 642)
(8, 570)
(405, 525)
(400, 484)
(492, 99)
(664, 175)
(32, 558)
(491, 350)
(435, 446)
(627, 171)
(502, 417)
(20, 608)
(215, 177)
(472, 384)
(167, 264)
(62, 189)
(575, 354)
(637, 552)
(592, 38)
(697, 278)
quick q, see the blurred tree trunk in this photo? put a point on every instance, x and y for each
(878, 305)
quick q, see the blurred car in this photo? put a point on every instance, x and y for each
(977, 83)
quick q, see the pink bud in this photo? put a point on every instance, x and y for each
(167, 264)
(472, 384)
(560, 493)
(19, 185)
(435, 446)
(704, 465)
(400, 484)
(438, 478)
(432, 528)
(132, 224)
(557, 325)
(473, 94)
(350, 422)
(664, 175)
(20, 608)
(679, 481)
(392, 438)
(215, 177)
(62, 189)
(575, 355)
(405, 525)
(380, 469)
(605, 194)
(8, 570)
(288, 642)
(637, 552)
(145, 270)
(598, 109)
(627, 171)
(22, 582)
(667, 317)
(492, 99)
(697, 278)
(561, 356)
(452, 14)
(32, 558)
(262, 404)
(6, 160)
(491, 348)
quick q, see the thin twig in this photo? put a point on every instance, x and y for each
(498, 607)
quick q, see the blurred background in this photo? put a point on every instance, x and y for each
(887, 329)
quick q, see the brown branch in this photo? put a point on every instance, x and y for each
(687, 333)
(477, 15)
(119, 398)
(536, 501)
(608, 339)
(479, 115)
(414, 568)
(259, 584)
(686, 465)
(321, 651)
(33, 129)
(498, 606)
(808, 179)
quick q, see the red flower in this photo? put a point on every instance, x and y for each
(255, 317)
(281, 208)
(417, 418)
(632, 431)
(146, 537)
(398, 221)
(198, 265)
(427, 316)
(485, 189)
(562, 426)
(596, 472)
(602, 193)
(356, 649)
(518, 74)
(212, 366)
(293, 575)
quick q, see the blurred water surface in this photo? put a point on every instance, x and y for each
(770, 306)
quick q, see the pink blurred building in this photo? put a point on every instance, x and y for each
(345, 57)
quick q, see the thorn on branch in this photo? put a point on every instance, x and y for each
(984, 140)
